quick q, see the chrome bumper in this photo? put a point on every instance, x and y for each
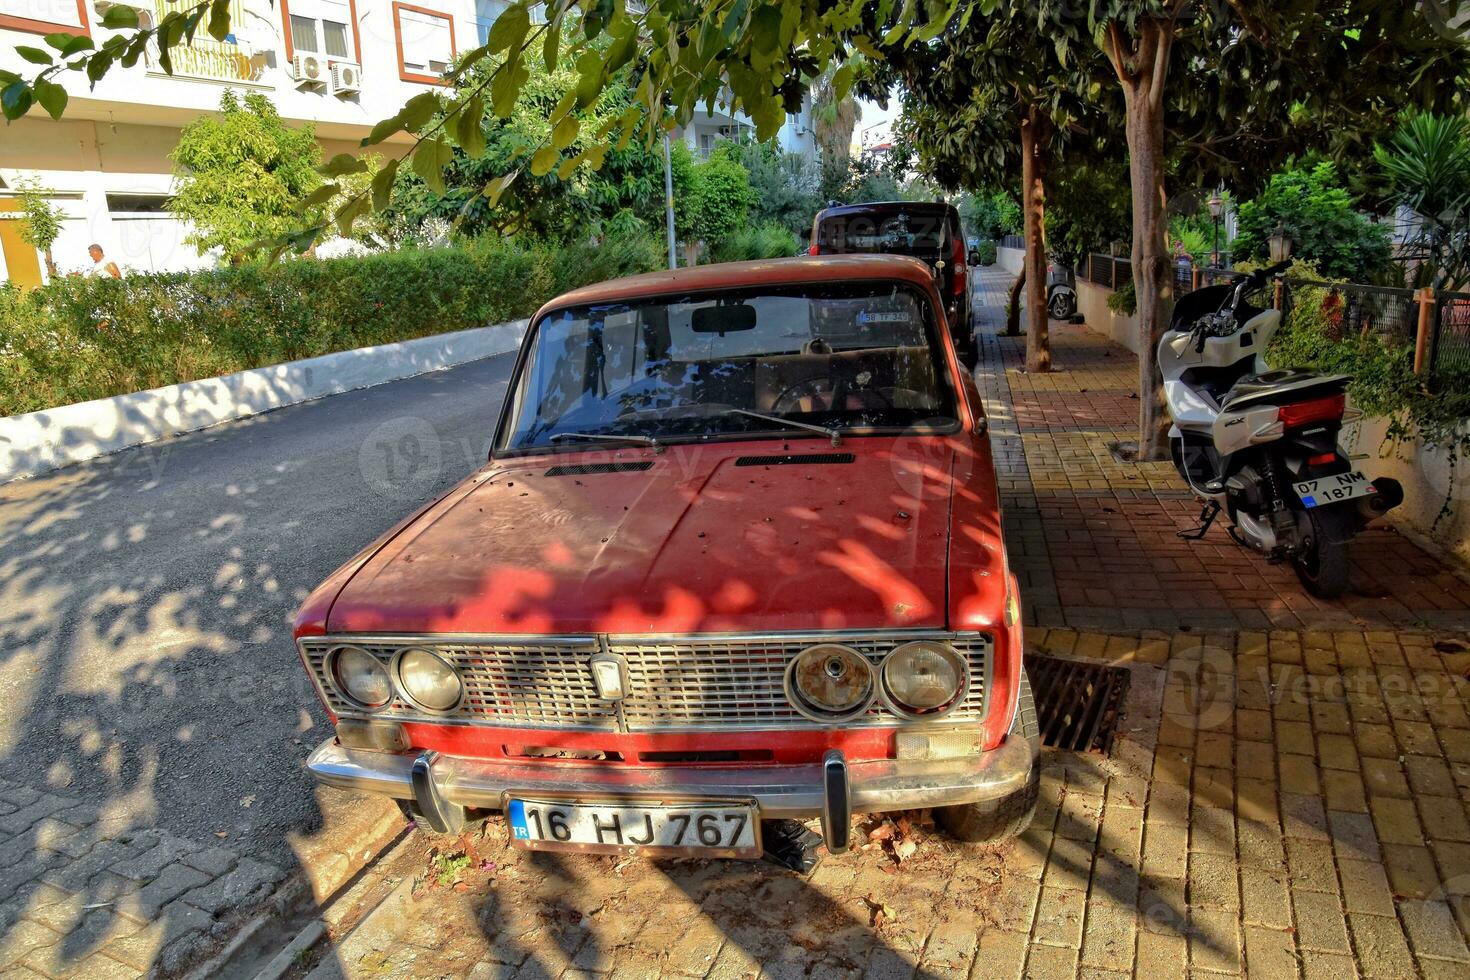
(779, 791)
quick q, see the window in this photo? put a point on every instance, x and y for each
(45, 16)
(425, 42)
(321, 27)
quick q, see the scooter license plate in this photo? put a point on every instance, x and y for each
(1331, 489)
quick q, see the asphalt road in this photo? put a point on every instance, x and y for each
(146, 660)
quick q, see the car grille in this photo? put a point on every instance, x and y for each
(686, 683)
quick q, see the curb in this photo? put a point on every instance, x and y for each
(39, 442)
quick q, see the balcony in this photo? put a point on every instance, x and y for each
(206, 58)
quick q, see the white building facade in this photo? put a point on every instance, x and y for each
(340, 65)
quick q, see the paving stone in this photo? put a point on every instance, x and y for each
(1381, 947)
(950, 948)
(72, 956)
(1269, 952)
(1432, 931)
(173, 881)
(1214, 941)
(249, 882)
(1212, 882)
(21, 939)
(1311, 866)
(1003, 953)
(1051, 963)
(1411, 870)
(1353, 836)
(149, 864)
(1061, 925)
(1396, 820)
(1319, 922)
(1265, 899)
(1365, 888)
(43, 806)
(213, 861)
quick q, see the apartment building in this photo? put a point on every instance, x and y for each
(341, 65)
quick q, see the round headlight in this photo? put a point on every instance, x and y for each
(361, 676)
(428, 681)
(923, 677)
(830, 682)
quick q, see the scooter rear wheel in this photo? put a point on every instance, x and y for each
(1324, 568)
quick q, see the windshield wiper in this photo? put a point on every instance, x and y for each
(657, 446)
(827, 431)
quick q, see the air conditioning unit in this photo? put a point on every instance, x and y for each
(308, 69)
(346, 77)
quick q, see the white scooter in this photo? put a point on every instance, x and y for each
(1259, 444)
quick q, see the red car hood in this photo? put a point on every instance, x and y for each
(701, 541)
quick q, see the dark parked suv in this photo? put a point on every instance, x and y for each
(929, 231)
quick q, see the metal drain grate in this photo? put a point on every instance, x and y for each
(1077, 704)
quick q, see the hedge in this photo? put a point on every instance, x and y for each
(79, 339)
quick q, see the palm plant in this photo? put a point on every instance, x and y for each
(1427, 162)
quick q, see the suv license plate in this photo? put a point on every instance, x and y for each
(1331, 489)
(714, 829)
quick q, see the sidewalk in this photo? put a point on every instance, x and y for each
(1095, 539)
(1279, 803)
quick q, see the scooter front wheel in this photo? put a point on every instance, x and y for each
(1323, 568)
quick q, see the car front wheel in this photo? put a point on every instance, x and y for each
(993, 821)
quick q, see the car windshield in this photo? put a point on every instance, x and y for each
(918, 232)
(843, 357)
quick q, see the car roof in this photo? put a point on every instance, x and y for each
(841, 209)
(738, 275)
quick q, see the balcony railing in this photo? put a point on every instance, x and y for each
(205, 57)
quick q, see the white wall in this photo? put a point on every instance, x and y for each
(1010, 259)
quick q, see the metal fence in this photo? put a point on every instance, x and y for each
(1013, 241)
(1105, 270)
(1449, 348)
(1354, 310)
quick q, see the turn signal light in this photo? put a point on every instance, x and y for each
(814, 249)
(1316, 410)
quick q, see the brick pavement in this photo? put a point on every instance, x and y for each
(85, 896)
(1094, 539)
(1278, 802)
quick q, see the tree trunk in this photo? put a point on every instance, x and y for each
(1013, 305)
(50, 263)
(1033, 207)
(1142, 67)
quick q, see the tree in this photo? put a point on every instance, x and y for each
(1427, 164)
(1325, 227)
(242, 175)
(40, 224)
(783, 185)
(989, 215)
(712, 202)
(835, 116)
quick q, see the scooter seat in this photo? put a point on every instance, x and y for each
(1271, 385)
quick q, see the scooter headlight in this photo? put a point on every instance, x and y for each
(830, 682)
(924, 678)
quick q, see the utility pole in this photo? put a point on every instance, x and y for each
(669, 203)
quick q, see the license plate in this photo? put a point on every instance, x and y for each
(714, 829)
(1331, 489)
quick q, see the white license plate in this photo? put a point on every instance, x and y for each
(1331, 489)
(712, 829)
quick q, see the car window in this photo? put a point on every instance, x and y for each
(904, 232)
(853, 356)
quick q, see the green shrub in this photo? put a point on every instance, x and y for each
(1123, 300)
(78, 339)
(985, 252)
(764, 241)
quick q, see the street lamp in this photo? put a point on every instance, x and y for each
(1280, 244)
(1217, 204)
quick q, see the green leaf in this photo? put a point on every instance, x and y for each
(383, 185)
(589, 78)
(34, 55)
(509, 29)
(76, 45)
(97, 66)
(495, 188)
(428, 163)
(382, 130)
(341, 165)
(120, 17)
(505, 90)
(417, 111)
(219, 19)
(469, 127)
(350, 212)
(620, 52)
(565, 133)
(543, 161)
(15, 100)
(321, 195)
(58, 41)
(6, 77)
(51, 96)
(549, 52)
(569, 166)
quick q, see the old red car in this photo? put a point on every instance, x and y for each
(735, 557)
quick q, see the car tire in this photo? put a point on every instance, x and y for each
(993, 821)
